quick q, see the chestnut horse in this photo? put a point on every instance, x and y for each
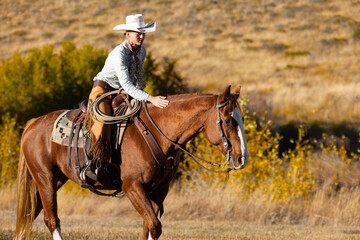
(43, 164)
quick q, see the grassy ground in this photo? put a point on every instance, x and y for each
(298, 60)
(130, 227)
(195, 214)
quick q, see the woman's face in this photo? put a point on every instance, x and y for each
(136, 38)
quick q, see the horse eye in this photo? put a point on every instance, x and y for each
(232, 122)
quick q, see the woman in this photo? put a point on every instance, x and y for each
(124, 68)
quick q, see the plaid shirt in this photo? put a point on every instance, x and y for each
(124, 68)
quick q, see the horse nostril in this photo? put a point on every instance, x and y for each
(241, 160)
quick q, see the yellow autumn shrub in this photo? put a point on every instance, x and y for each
(9, 149)
(280, 177)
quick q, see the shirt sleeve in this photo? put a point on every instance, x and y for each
(120, 61)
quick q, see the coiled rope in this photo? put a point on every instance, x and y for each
(97, 115)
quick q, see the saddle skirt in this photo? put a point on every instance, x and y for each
(62, 129)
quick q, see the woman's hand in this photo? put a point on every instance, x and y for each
(158, 101)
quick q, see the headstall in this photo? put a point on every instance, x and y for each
(225, 141)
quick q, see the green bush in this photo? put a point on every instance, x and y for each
(44, 81)
(167, 82)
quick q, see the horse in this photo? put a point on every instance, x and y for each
(43, 164)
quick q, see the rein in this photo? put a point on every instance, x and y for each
(192, 156)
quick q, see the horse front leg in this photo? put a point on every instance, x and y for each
(140, 200)
(157, 198)
(146, 230)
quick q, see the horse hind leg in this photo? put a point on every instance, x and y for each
(30, 201)
(39, 205)
(47, 183)
(48, 197)
(49, 204)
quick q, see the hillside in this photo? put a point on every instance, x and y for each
(299, 60)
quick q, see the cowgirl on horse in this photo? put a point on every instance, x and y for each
(124, 68)
(43, 165)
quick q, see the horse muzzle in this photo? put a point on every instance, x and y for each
(237, 162)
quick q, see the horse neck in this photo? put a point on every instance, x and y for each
(186, 116)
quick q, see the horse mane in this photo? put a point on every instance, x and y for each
(187, 100)
(187, 96)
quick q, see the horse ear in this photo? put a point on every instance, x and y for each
(225, 95)
(237, 92)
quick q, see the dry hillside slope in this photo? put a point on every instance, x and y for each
(297, 59)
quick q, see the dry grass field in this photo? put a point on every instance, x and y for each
(298, 60)
(195, 215)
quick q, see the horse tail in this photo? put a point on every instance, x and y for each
(26, 196)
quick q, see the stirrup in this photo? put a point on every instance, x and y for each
(87, 174)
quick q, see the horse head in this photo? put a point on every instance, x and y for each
(225, 129)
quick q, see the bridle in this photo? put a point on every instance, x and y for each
(225, 141)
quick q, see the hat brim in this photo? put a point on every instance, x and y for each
(149, 27)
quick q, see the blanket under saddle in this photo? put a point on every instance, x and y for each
(62, 129)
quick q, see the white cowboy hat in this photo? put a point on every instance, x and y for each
(136, 23)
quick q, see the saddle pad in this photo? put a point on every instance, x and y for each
(61, 131)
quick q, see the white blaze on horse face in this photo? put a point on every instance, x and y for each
(236, 114)
(57, 234)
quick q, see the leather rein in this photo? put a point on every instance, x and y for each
(197, 159)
